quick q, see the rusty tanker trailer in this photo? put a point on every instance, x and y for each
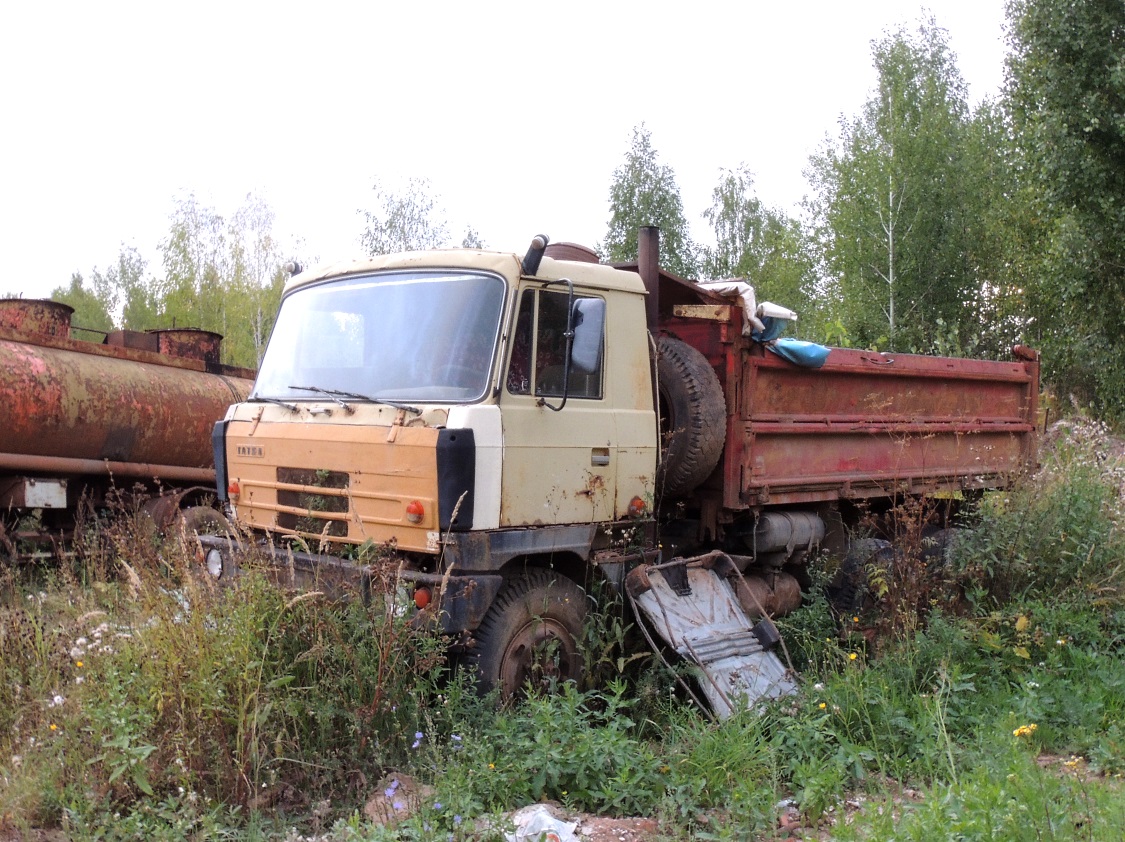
(84, 420)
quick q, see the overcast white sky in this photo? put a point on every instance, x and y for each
(518, 113)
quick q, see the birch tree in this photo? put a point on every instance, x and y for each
(894, 218)
(405, 219)
(644, 192)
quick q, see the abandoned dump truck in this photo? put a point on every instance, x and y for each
(515, 427)
(80, 418)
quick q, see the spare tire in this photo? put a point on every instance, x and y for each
(693, 418)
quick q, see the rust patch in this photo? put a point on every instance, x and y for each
(38, 316)
(68, 404)
(192, 343)
(595, 484)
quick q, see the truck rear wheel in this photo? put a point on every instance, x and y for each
(848, 592)
(530, 635)
(693, 418)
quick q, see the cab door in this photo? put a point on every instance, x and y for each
(559, 461)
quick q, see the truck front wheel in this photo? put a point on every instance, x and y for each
(529, 637)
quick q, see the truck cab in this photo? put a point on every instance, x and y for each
(480, 414)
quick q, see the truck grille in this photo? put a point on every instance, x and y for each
(320, 497)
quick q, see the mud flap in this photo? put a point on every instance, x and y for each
(691, 604)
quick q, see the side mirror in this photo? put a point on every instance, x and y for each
(587, 319)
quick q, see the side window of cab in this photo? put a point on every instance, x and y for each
(537, 363)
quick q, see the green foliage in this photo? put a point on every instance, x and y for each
(286, 705)
(1059, 533)
(1011, 798)
(405, 220)
(612, 645)
(573, 747)
(761, 245)
(895, 211)
(90, 314)
(234, 696)
(221, 276)
(1067, 96)
(218, 276)
(140, 303)
(723, 778)
(644, 192)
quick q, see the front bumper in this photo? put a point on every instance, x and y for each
(459, 602)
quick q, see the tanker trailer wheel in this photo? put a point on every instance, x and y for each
(530, 635)
(693, 418)
(202, 520)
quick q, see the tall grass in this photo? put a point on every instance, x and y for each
(146, 681)
(138, 701)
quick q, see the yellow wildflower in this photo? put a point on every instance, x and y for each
(823, 706)
(1025, 730)
(852, 656)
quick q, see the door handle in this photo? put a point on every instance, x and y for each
(599, 457)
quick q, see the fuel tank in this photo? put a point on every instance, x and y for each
(138, 403)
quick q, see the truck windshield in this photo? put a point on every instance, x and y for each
(390, 336)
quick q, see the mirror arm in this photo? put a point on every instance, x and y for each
(569, 336)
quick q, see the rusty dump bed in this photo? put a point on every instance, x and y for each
(138, 405)
(866, 424)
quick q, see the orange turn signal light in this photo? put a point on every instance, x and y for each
(233, 490)
(422, 597)
(637, 507)
(415, 511)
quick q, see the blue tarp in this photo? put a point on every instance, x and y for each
(798, 352)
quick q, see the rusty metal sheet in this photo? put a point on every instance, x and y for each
(36, 316)
(354, 486)
(711, 312)
(139, 339)
(72, 405)
(871, 424)
(195, 344)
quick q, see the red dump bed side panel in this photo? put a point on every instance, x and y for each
(865, 424)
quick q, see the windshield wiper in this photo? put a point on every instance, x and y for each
(337, 394)
(292, 407)
(332, 393)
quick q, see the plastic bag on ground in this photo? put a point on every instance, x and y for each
(536, 823)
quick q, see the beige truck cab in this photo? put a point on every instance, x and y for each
(476, 412)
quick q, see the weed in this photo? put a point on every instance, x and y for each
(1059, 533)
(244, 695)
(612, 647)
(140, 701)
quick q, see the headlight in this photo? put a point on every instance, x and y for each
(214, 563)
